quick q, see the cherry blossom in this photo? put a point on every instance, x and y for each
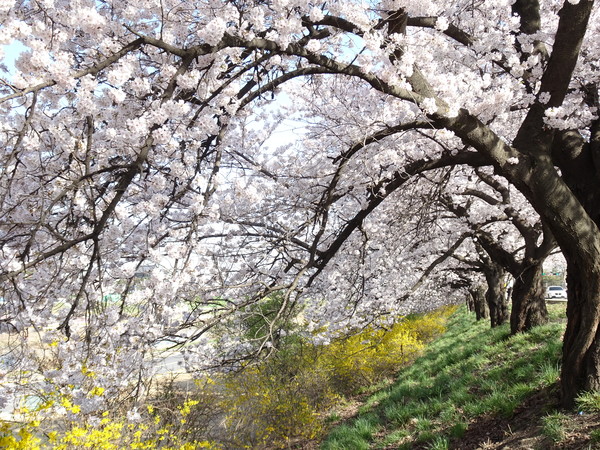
(143, 199)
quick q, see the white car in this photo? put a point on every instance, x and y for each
(556, 292)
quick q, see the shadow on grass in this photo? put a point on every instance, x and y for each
(470, 376)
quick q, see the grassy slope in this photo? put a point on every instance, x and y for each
(475, 387)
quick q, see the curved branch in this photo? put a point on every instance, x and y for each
(498, 253)
(452, 31)
(134, 45)
(482, 196)
(382, 190)
(334, 66)
(379, 135)
(440, 259)
(282, 79)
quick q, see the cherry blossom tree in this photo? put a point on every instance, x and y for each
(131, 133)
(513, 237)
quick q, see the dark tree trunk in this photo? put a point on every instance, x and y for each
(528, 299)
(477, 295)
(470, 301)
(571, 213)
(581, 346)
(495, 295)
(580, 163)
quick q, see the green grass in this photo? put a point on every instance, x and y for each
(470, 371)
(553, 426)
(588, 402)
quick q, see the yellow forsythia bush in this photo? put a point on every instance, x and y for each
(285, 398)
(110, 433)
(22, 437)
(273, 404)
(427, 326)
(369, 356)
(268, 409)
(374, 354)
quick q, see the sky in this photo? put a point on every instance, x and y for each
(10, 54)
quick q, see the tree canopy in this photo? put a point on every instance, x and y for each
(143, 197)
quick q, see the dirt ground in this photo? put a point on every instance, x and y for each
(523, 431)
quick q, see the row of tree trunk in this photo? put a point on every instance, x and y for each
(527, 295)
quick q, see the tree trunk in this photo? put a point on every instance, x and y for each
(470, 301)
(580, 165)
(581, 346)
(570, 214)
(528, 299)
(477, 294)
(496, 300)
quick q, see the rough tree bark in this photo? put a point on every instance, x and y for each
(495, 294)
(574, 223)
(566, 212)
(528, 302)
(480, 307)
(470, 301)
(581, 345)
(528, 299)
(579, 162)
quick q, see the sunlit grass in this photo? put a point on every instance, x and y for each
(472, 370)
(588, 402)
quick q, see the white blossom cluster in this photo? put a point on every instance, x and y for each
(148, 194)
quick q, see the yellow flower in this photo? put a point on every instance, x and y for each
(97, 391)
